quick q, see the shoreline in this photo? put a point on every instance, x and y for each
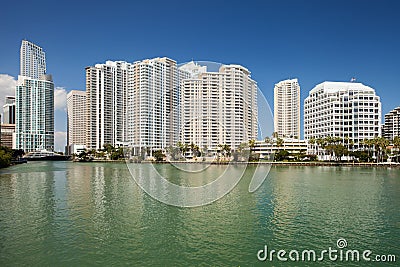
(313, 163)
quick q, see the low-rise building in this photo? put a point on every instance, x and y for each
(293, 146)
(8, 135)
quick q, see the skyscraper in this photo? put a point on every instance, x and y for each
(106, 86)
(9, 110)
(287, 108)
(76, 113)
(32, 60)
(34, 99)
(153, 103)
(344, 110)
(219, 107)
(391, 129)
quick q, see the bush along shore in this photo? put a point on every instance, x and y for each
(9, 156)
(244, 155)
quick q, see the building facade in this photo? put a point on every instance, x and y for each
(76, 120)
(154, 104)
(106, 86)
(287, 109)
(293, 146)
(391, 128)
(32, 60)
(34, 102)
(347, 110)
(219, 108)
(7, 135)
(9, 110)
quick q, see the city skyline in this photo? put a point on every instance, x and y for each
(361, 44)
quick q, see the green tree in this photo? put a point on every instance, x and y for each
(312, 142)
(183, 148)
(381, 145)
(225, 149)
(339, 150)
(174, 152)
(281, 155)
(279, 142)
(117, 154)
(242, 151)
(320, 144)
(396, 142)
(396, 147)
(195, 150)
(5, 156)
(108, 148)
(252, 144)
(83, 156)
(158, 155)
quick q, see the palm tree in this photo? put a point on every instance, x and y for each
(396, 145)
(269, 141)
(312, 143)
(252, 144)
(321, 143)
(182, 147)
(350, 147)
(227, 149)
(382, 144)
(279, 142)
(347, 142)
(396, 142)
(329, 141)
(368, 143)
(195, 149)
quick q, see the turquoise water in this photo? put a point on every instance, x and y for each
(88, 214)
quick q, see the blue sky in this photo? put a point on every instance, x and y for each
(310, 40)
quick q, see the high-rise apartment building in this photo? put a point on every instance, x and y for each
(106, 86)
(391, 128)
(342, 109)
(219, 107)
(287, 109)
(76, 120)
(34, 100)
(9, 110)
(32, 60)
(153, 103)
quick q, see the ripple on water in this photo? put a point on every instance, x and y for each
(94, 214)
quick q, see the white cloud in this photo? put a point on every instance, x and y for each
(7, 88)
(60, 141)
(60, 98)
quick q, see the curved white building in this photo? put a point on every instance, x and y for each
(219, 108)
(342, 109)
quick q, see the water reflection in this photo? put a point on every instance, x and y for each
(94, 214)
